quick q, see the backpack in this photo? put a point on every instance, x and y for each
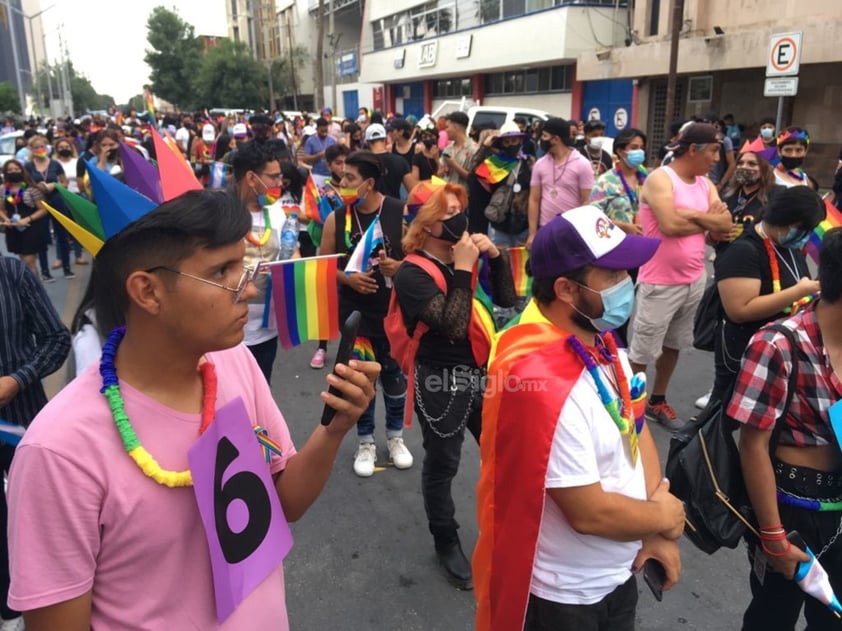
(704, 470)
(708, 314)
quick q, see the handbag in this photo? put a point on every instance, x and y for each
(704, 470)
(501, 199)
(708, 314)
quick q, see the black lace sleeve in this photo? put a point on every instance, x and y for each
(451, 314)
(502, 283)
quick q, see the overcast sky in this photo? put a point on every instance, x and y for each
(106, 40)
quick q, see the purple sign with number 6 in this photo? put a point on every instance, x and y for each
(247, 533)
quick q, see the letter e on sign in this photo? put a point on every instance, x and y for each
(784, 55)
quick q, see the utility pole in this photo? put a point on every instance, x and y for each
(68, 95)
(318, 70)
(292, 65)
(15, 57)
(333, 43)
(677, 22)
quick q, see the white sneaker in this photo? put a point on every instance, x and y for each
(364, 460)
(702, 401)
(399, 455)
(15, 624)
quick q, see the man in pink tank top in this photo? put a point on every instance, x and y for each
(680, 206)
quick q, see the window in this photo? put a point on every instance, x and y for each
(700, 89)
(654, 16)
(450, 88)
(513, 8)
(428, 20)
(533, 81)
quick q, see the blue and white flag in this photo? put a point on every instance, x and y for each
(360, 258)
(219, 175)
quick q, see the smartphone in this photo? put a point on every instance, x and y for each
(343, 355)
(655, 576)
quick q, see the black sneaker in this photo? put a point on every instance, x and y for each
(68, 274)
(47, 278)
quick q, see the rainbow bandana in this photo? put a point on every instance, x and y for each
(496, 168)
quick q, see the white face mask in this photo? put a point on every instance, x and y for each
(596, 143)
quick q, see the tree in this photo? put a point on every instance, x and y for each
(9, 100)
(85, 97)
(284, 76)
(174, 56)
(229, 76)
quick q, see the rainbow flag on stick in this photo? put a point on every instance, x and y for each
(316, 207)
(306, 299)
(833, 219)
(518, 257)
(363, 349)
(150, 102)
(496, 168)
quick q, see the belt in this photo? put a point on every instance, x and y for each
(788, 474)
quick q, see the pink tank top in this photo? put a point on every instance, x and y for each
(678, 260)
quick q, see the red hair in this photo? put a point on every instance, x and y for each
(433, 210)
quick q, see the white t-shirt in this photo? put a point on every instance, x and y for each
(255, 332)
(569, 567)
(70, 172)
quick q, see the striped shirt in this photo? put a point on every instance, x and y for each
(33, 340)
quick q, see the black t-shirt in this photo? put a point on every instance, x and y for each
(746, 257)
(600, 164)
(405, 156)
(427, 167)
(415, 288)
(394, 169)
(746, 208)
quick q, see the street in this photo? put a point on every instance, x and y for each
(363, 558)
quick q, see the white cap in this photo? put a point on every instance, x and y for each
(240, 130)
(208, 133)
(375, 132)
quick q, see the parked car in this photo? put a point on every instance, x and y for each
(7, 146)
(497, 115)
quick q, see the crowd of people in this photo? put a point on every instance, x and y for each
(571, 501)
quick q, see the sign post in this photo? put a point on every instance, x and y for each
(783, 61)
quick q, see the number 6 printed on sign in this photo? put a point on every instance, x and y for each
(247, 533)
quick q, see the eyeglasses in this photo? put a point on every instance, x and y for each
(249, 272)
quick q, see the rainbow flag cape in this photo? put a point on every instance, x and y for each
(496, 168)
(518, 257)
(316, 207)
(363, 349)
(306, 300)
(359, 259)
(833, 219)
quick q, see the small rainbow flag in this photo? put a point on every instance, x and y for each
(306, 300)
(496, 168)
(833, 219)
(150, 102)
(363, 350)
(316, 206)
(518, 257)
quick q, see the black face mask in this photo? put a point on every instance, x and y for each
(454, 228)
(512, 151)
(791, 163)
(65, 153)
(113, 155)
(14, 178)
(546, 145)
(428, 142)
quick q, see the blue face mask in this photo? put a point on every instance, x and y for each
(635, 157)
(617, 304)
(795, 239)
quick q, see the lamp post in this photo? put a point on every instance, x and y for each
(15, 57)
(34, 75)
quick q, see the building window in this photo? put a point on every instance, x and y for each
(533, 81)
(452, 88)
(700, 89)
(654, 16)
(428, 20)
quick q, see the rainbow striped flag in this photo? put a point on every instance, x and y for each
(518, 257)
(306, 300)
(496, 168)
(363, 349)
(150, 103)
(833, 219)
(316, 207)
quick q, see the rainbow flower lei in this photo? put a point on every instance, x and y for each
(776, 279)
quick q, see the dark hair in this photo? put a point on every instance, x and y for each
(166, 236)
(291, 172)
(321, 122)
(767, 121)
(543, 289)
(830, 265)
(334, 151)
(27, 178)
(251, 156)
(626, 136)
(221, 146)
(368, 164)
(376, 118)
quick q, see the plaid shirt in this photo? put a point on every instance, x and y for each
(761, 388)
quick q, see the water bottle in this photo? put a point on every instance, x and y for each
(289, 236)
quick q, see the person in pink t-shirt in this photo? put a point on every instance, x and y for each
(561, 179)
(680, 206)
(95, 541)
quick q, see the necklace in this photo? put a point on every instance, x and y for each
(616, 408)
(348, 225)
(633, 195)
(131, 443)
(16, 198)
(267, 231)
(773, 255)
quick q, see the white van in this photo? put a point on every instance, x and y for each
(497, 115)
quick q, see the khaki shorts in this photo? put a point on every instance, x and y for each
(663, 318)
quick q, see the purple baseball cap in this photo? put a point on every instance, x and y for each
(585, 236)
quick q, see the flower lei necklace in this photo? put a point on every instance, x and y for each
(633, 195)
(776, 278)
(615, 408)
(17, 198)
(267, 231)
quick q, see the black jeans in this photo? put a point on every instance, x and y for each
(615, 612)
(6, 453)
(776, 604)
(443, 442)
(265, 354)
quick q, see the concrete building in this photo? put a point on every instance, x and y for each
(16, 67)
(493, 52)
(724, 49)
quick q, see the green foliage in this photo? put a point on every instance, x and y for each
(283, 81)
(85, 97)
(9, 100)
(137, 102)
(230, 77)
(174, 55)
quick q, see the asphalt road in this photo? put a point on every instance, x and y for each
(363, 558)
